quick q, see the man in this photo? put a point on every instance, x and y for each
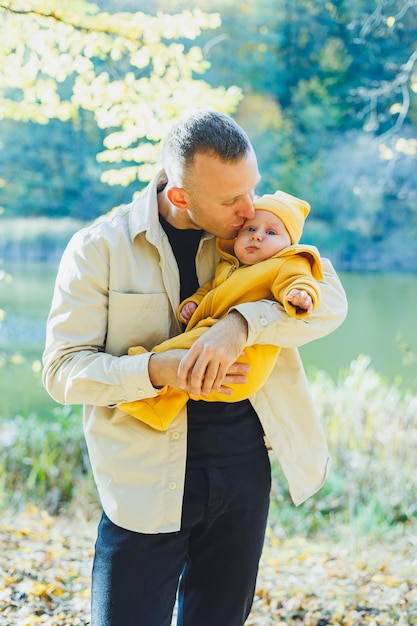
(186, 508)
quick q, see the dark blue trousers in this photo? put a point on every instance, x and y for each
(212, 562)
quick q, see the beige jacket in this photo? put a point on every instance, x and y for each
(118, 286)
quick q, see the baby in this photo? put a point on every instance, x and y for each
(265, 261)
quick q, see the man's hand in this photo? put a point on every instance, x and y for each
(210, 364)
(163, 367)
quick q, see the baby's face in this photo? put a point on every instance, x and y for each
(260, 238)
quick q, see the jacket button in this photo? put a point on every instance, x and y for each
(140, 393)
(175, 435)
(172, 485)
(263, 321)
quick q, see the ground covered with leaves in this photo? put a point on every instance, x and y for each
(45, 565)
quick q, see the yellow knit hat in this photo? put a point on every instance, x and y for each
(291, 210)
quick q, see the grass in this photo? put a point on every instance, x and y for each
(45, 462)
(372, 433)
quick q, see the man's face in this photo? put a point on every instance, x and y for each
(260, 238)
(219, 195)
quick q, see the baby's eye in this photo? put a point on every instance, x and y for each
(271, 232)
(251, 229)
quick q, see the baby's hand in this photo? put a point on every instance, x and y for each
(301, 300)
(187, 311)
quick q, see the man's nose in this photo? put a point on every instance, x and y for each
(246, 209)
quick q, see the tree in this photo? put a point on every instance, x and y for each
(133, 72)
(327, 93)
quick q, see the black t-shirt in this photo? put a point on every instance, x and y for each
(184, 244)
(219, 433)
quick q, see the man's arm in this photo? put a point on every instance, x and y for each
(210, 363)
(77, 370)
(204, 367)
(269, 324)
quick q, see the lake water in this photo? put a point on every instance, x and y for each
(381, 324)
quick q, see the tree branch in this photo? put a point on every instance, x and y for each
(76, 26)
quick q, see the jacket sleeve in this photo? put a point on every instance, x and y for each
(77, 370)
(268, 322)
(295, 273)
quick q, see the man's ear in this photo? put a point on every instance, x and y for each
(176, 195)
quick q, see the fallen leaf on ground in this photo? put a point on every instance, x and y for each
(45, 567)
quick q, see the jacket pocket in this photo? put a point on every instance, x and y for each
(136, 319)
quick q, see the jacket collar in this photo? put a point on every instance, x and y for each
(144, 213)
